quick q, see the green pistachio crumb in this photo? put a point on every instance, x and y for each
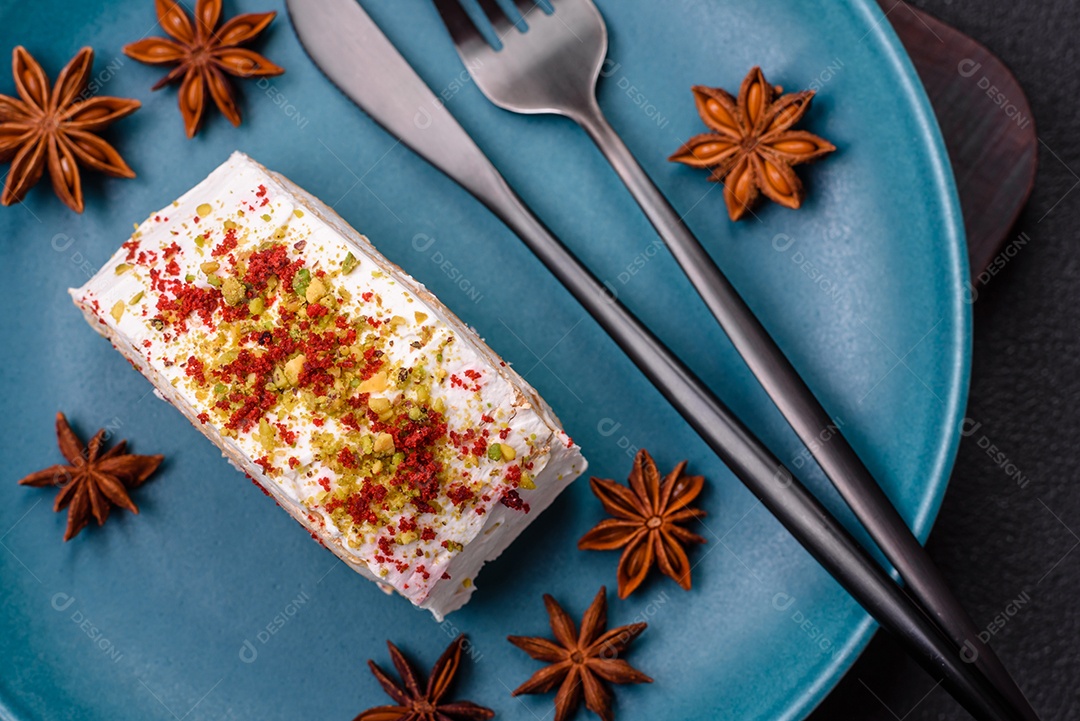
(348, 264)
(301, 281)
(232, 290)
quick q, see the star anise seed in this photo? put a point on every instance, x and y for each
(55, 128)
(647, 522)
(581, 663)
(752, 147)
(414, 704)
(205, 56)
(93, 481)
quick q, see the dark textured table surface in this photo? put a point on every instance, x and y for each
(1009, 531)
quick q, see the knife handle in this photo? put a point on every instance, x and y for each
(766, 477)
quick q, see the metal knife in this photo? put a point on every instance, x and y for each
(359, 59)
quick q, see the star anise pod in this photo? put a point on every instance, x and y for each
(93, 481)
(205, 56)
(414, 704)
(54, 128)
(647, 522)
(581, 661)
(752, 147)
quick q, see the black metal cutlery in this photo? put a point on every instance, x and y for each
(552, 67)
(351, 50)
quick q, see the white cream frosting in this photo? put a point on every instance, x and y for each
(476, 393)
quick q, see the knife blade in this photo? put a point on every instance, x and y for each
(356, 55)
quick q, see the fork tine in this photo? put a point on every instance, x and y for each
(462, 30)
(498, 19)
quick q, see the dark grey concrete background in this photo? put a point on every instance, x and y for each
(1009, 531)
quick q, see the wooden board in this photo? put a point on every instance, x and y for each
(985, 119)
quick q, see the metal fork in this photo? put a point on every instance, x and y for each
(552, 68)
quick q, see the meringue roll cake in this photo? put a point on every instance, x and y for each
(337, 382)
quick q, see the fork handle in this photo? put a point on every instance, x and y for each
(801, 408)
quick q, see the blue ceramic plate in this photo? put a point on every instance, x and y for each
(214, 604)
